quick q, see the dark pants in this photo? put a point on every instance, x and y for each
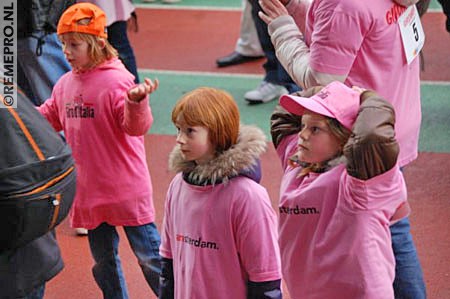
(446, 7)
(275, 73)
(408, 283)
(118, 38)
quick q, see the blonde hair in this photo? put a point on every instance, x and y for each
(214, 109)
(97, 54)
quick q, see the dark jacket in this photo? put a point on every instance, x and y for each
(39, 15)
(29, 266)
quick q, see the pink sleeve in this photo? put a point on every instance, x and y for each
(138, 117)
(286, 149)
(134, 118)
(385, 192)
(165, 247)
(257, 237)
(298, 10)
(50, 111)
(335, 41)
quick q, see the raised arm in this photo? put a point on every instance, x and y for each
(137, 118)
(285, 25)
(372, 149)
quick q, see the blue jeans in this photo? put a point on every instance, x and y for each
(104, 243)
(118, 38)
(408, 283)
(275, 73)
(41, 71)
(37, 293)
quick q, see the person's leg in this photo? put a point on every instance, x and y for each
(107, 270)
(37, 293)
(144, 241)
(248, 43)
(24, 85)
(247, 46)
(275, 73)
(276, 81)
(408, 283)
(446, 7)
(118, 38)
(42, 66)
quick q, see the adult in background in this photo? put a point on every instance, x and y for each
(41, 61)
(120, 17)
(276, 80)
(358, 43)
(247, 47)
(446, 7)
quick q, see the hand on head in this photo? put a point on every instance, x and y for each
(138, 92)
(272, 9)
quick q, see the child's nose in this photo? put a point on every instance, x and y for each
(303, 134)
(180, 138)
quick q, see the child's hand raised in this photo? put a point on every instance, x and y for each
(272, 9)
(138, 92)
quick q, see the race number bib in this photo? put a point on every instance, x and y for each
(412, 33)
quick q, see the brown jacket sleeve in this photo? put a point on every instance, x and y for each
(372, 148)
(282, 124)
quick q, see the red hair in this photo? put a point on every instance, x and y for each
(214, 109)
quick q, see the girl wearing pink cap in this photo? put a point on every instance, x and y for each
(341, 189)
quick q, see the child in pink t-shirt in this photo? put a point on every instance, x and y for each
(104, 116)
(341, 189)
(219, 235)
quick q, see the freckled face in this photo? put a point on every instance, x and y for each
(76, 52)
(316, 142)
(194, 142)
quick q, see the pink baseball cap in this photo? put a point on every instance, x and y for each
(335, 100)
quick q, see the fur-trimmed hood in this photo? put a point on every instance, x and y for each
(240, 159)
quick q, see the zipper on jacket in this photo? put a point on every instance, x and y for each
(57, 204)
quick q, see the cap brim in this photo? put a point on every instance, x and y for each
(298, 105)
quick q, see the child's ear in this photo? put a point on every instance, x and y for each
(102, 43)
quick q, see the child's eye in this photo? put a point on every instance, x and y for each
(315, 129)
(190, 130)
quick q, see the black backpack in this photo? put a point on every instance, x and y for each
(37, 175)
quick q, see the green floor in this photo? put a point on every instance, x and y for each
(435, 131)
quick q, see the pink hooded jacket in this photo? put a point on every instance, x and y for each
(105, 131)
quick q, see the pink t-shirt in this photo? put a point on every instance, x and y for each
(219, 237)
(105, 132)
(334, 231)
(361, 40)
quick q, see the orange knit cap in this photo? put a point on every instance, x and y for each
(69, 21)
